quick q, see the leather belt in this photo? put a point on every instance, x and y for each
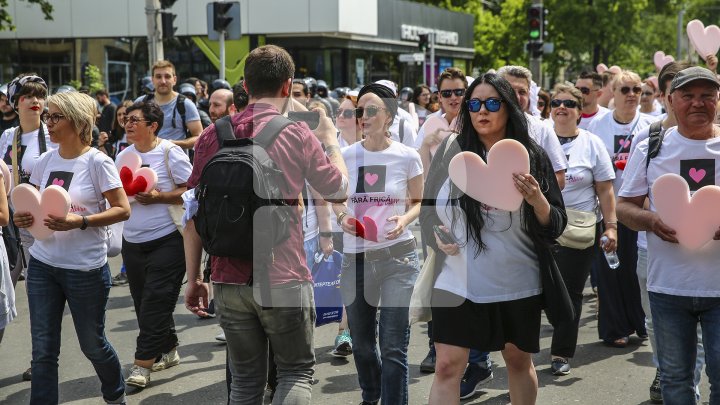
(394, 251)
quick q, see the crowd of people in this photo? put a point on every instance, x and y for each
(357, 178)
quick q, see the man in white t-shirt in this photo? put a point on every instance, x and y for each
(682, 285)
(590, 85)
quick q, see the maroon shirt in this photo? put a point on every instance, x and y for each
(299, 154)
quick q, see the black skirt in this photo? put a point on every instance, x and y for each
(487, 327)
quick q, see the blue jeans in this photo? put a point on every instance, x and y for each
(388, 284)
(310, 247)
(86, 292)
(675, 321)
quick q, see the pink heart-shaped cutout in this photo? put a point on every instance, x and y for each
(433, 124)
(615, 69)
(660, 59)
(54, 200)
(695, 219)
(601, 68)
(705, 40)
(133, 162)
(371, 229)
(492, 183)
(7, 178)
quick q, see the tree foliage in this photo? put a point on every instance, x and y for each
(6, 22)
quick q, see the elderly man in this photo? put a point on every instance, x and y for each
(683, 285)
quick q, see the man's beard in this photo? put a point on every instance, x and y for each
(9, 114)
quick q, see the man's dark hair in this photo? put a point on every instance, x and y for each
(151, 111)
(305, 89)
(668, 72)
(102, 92)
(607, 77)
(267, 68)
(597, 80)
(452, 73)
(240, 96)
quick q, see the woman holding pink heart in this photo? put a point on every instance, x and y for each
(488, 294)
(380, 264)
(71, 264)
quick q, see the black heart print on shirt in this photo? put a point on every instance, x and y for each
(698, 172)
(61, 179)
(371, 179)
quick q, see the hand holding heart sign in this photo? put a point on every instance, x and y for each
(135, 179)
(40, 213)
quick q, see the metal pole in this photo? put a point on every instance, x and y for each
(154, 29)
(431, 38)
(222, 51)
(425, 69)
(681, 15)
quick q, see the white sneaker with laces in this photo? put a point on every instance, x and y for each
(221, 337)
(139, 376)
(167, 360)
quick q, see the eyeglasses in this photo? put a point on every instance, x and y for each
(369, 111)
(54, 118)
(346, 113)
(540, 105)
(626, 89)
(648, 93)
(585, 90)
(567, 103)
(492, 104)
(133, 120)
(449, 93)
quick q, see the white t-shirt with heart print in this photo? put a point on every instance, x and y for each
(153, 221)
(28, 141)
(377, 189)
(75, 249)
(673, 269)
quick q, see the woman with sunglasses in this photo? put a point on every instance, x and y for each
(588, 179)
(487, 295)
(380, 264)
(619, 311)
(70, 266)
(648, 102)
(543, 104)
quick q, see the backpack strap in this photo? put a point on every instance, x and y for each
(42, 147)
(402, 130)
(657, 133)
(180, 108)
(271, 131)
(224, 130)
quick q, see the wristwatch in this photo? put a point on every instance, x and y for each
(84, 223)
(326, 234)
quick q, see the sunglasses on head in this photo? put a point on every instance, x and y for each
(567, 103)
(369, 111)
(584, 90)
(346, 113)
(449, 93)
(626, 89)
(492, 104)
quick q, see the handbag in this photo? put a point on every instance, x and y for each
(326, 288)
(176, 210)
(420, 300)
(579, 232)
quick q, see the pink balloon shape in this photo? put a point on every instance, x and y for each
(601, 68)
(434, 123)
(133, 161)
(695, 219)
(615, 69)
(705, 40)
(492, 183)
(7, 178)
(54, 200)
(661, 59)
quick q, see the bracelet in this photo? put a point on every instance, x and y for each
(84, 223)
(326, 234)
(340, 217)
(611, 223)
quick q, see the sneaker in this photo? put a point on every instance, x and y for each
(221, 337)
(167, 360)
(27, 375)
(120, 279)
(655, 390)
(139, 376)
(343, 345)
(560, 366)
(428, 363)
(474, 377)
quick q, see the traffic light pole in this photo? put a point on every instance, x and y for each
(431, 39)
(155, 45)
(535, 63)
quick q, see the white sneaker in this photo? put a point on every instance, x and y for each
(221, 337)
(167, 360)
(139, 376)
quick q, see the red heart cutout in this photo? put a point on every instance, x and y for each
(126, 176)
(132, 185)
(359, 228)
(371, 229)
(620, 164)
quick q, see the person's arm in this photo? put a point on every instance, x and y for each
(4, 210)
(415, 192)
(712, 63)
(560, 176)
(196, 292)
(631, 213)
(327, 135)
(322, 210)
(195, 128)
(162, 197)
(606, 196)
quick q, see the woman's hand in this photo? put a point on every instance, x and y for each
(399, 227)
(712, 62)
(326, 245)
(152, 197)
(348, 226)
(530, 189)
(66, 223)
(435, 138)
(23, 219)
(451, 249)
(102, 138)
(611, 235)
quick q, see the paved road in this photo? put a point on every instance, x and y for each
(600, 375)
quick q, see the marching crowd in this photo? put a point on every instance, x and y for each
(352, 172)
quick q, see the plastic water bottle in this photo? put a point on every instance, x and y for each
(611, 257)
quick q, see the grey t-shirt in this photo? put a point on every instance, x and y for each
(175, 132)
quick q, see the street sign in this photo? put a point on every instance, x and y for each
(231, 16)
(411, 57)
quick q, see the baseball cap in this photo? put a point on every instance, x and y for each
(691, 74)
(390, 85)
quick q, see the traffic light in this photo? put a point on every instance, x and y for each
(535, 22)
(167, 20)
(220, 18)
(423, 41)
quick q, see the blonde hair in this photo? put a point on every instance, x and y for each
(78, 108)
(161, 64)
(625, 75)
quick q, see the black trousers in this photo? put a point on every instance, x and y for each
(155, 271)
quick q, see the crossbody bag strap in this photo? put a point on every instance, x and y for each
(14, 157)
(166, 157)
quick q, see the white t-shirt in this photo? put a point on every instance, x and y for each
(409, 132)
(589, 162)
(618, 138)
(153, 221)
(544, 134)
(310, 225)
(506, 270)
(76, 249)
(585, 121)
(30, 149)
(121, 145)
(671, 268)
(378, 188)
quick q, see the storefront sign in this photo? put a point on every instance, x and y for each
(412, 32)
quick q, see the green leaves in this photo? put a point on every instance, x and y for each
(6, 22)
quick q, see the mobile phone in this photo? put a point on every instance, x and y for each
(312, 118)
(445, 237)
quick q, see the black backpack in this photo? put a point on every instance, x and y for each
(657, 134)
(241, 185)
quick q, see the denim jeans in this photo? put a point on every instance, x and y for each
(675, 321)
(388, 284)
(288, 326)
(310, 247)
(86, 292)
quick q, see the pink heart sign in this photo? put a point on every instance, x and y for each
(433, 124)
(492, 183)
(601, 68)
(661, 59)
(705, 40)
(54, 200)
(7, 178)
(695, 219)
(133, 162)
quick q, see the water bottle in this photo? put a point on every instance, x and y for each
(611, 257)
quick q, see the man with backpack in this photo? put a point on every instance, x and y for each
(264, 293)
(182, 122)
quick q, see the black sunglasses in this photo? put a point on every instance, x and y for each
(555, 103)
(346, 113)
(449, 93)
(492, 104)
(626, 89)
(584, 90)
(370, 111)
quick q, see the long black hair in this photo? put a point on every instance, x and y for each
(468, 140)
